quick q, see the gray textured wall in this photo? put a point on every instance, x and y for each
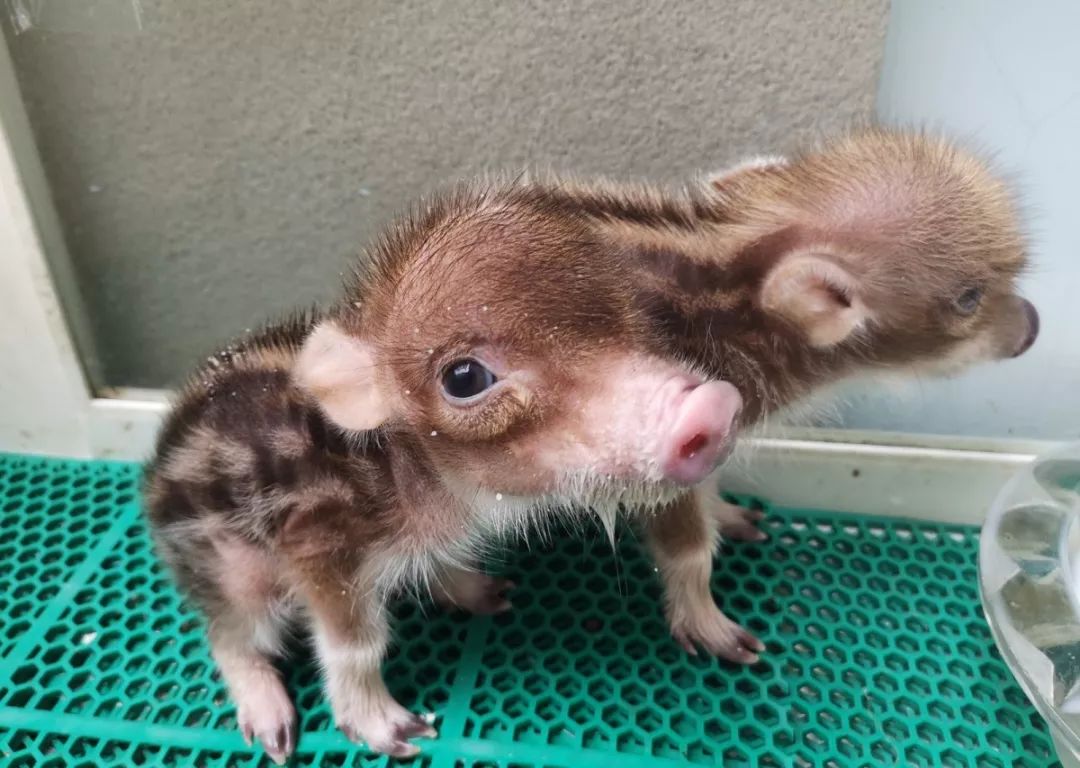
(217, 162)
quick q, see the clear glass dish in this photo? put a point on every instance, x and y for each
(1029, 578)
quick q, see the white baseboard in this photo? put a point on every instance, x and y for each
(126, 427)
(927, 483)
(918, 476)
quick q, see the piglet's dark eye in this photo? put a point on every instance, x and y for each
(465, 379)
(968, 301)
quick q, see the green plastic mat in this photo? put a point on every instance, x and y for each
(878, 652)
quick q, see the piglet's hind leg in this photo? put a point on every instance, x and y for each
(472, 591)
(735, 521)
(246, 630)
(263, 709)
(731, 521)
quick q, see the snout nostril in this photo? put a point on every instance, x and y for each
(691, 447)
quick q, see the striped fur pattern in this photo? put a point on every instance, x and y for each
(881, 251)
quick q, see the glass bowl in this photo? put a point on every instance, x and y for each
(1029, 579)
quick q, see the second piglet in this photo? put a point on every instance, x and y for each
(883, 252)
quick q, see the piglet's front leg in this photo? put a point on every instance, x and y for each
(682, 538)
(363, 707)
(349, 626)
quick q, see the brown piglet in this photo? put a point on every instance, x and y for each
(518, 350)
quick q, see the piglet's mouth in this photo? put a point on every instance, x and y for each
(612, 491)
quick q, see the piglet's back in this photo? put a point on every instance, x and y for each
(241, 440)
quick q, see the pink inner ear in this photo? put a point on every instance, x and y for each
(816, 294)
(840, 295)
(340, 371)
(829, 297)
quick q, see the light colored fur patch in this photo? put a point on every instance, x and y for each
(190, 461)
(322, 488)
(250, 581)
(236, 459)
(759, 163)
(289, 443)
(266, 357)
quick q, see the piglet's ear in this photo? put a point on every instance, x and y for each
(816, 294)
(338, 370)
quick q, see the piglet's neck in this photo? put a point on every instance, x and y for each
(699, 288)
(770, 364)
(426, 507)
(697, 266)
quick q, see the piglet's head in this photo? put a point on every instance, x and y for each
(504, 344)
(886, 250)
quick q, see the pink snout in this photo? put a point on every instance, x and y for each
(702, 433)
